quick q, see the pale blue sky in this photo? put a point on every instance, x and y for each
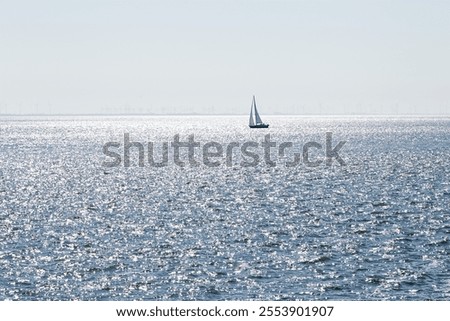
(326, 57)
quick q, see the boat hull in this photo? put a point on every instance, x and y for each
(259, 126)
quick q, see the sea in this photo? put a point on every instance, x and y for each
(312, 208)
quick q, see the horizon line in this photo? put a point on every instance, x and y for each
(218, 114)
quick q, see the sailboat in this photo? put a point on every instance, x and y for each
(255, 121)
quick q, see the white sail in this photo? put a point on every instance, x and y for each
(251, 122)
(258, 119)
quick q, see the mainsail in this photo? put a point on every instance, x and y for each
(258, 119)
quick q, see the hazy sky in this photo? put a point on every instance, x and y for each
(96, 56)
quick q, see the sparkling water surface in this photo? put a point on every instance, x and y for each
(377, 228)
